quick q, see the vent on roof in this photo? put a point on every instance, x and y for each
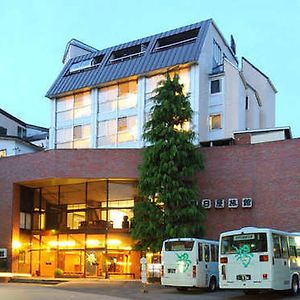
(128, 53)
(178, 39)
(86, 64)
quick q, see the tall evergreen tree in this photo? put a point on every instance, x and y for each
(168, 208)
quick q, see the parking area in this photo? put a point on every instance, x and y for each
(118, 290)
(134, 290)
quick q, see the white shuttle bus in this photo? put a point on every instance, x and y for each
(256, 259)
(190, 262)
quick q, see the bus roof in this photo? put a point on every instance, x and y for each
(192, 239)
(258, 229)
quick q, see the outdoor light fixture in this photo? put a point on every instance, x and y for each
(16, 244)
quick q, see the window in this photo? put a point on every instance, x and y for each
(118, 97)
(153, 82)
(72, 107)
(214, 252)
(25, 220)
(217, 55)
(179, 246)
(247, 103)
(276, 246)
(21, 132)
(292, 247)
(3, 130)
(200, 252)
(178, 39)
(257, 242)
(3, 153)
(215, 122)
(128, 53)
(86, 64)
(215, 86)
(122, 124)
(284, 246)
(206, 253)
(70, 111)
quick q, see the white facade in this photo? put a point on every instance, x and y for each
(223, 97)
(17, 137)
(14, 146)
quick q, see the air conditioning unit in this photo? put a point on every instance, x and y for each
(3, 253)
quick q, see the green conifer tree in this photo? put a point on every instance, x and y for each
(168, 207)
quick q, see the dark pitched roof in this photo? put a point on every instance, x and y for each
(149, 60)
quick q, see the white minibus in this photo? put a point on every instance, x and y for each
(190, 262)
(254, 259)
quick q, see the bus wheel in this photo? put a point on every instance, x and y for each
(212, 284)
(295, 285)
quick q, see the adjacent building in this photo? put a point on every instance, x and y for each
(71, 207)
(17, 137)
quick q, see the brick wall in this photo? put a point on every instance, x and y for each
(269, 173)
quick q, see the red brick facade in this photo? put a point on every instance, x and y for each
(269, 173)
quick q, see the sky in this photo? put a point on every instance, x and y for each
(34, 34)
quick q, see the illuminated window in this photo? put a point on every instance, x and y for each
(215, 121)
(153, 82)
(3, 153)
(72, 107)
(25, 220)
(75, 219)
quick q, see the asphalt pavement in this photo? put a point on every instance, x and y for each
(121, 290)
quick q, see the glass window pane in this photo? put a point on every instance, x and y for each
(64, 104)
(82, 112)
(64, 145)
(64, 116)
(64, 135)
(122, 190)
(72, 194)
(82, 144)
(215, 122)
(82, 99)
(107, 133)
(127, 129)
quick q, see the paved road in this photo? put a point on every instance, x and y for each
(119, 290)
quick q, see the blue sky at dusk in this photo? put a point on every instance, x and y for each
(34, 34)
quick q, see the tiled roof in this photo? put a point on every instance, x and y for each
(150, 60)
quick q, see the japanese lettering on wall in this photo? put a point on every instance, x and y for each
(230, 203)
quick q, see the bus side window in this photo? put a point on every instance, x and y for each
(284, 247)
(200, 252)
(217, 250)
(213, 253)
(276, 246)
(206, 253)
(292, 246)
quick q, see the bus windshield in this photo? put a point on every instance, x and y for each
(179, 246)
(254, 242)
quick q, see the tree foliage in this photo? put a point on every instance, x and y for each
(168, 207)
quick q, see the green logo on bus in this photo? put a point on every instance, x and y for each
(184, 261)
(244, 255)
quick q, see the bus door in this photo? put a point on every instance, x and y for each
(200, 266)
(281, 268)
(207, 265)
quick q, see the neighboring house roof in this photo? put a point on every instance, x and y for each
(150, 59)
(6, 114)
(20, 140)
(13, 118)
